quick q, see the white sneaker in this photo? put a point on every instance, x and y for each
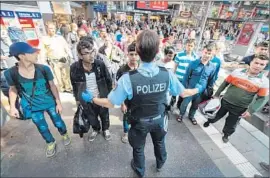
(107, 135)
(93, 136)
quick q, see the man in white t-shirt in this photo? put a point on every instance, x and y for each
(168, 63)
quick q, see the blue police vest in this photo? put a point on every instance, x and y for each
(149, 94)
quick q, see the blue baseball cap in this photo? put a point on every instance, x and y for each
(21, 48)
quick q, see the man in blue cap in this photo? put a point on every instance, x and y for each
(145, 89)
(34, 84)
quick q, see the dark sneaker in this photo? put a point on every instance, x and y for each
(265, 166)
(134, 169)
(51, 149)
(66, 139)
(225, 138)
(206, 124)
(159, 169)
(93, 136)
(107, 135)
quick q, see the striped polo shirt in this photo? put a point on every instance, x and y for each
(183, 62)
(243, 88)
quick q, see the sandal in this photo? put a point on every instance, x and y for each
(179, 118)
(194, 122)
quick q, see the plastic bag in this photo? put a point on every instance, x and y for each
(81, 124)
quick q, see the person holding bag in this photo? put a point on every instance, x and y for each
(199, 75)
(38, 93)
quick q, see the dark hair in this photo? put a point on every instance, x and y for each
(147, 45)
(80, 24)
(210, 47)
(169, 50)
(87, 38)
(263, 44)
(17, 57)
(84, 44)
(132, 46)
(261, 57)
(102, 50)
(190, 41)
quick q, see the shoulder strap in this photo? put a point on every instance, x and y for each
(14, 73)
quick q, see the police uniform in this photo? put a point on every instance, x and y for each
(146, 89)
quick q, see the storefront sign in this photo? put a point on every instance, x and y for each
(152, 5)
(61, 7)
(100, 8)
(246, 34)
(185, 14)
(33, 15)
(9, 14)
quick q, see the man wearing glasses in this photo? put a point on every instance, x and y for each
(91, 74)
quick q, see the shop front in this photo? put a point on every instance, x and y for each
(22, 24)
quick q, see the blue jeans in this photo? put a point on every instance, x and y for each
(42, 126)
(196, 99)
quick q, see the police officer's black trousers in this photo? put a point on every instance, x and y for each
(137, 136)
(231, 121)
(93, 111)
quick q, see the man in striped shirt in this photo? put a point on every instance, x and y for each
(182, 61)
(243, 85)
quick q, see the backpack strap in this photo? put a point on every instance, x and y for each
(14, 73)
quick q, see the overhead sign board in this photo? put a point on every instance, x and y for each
(152, 5)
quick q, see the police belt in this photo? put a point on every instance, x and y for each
(152, 119)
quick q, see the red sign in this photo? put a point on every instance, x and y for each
(28, 27)
(152, 5)
(1, 21)
(185, 14)
(246, 34)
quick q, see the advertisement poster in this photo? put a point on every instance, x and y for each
(152, 5)
(28, 27)
(246, 34)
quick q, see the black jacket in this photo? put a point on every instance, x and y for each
(78, 80)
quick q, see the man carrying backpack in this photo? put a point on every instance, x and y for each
(34, 84)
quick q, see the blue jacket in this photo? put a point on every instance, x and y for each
(199, 75)
(217, 62)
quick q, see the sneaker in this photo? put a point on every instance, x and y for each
(159, 169)
(93, 136)
(206, 124)
(265, 166)
(107, 135)
(66, 139)
(257, 176)
(124, 138)
(51, 149)
(225, 138)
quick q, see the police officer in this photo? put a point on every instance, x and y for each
(146, 89)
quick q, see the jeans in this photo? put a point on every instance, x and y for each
(125, 124)
(137, 136)
(196, 99)
(42, 126)
(93, 111)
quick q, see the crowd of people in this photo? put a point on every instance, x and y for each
(141, 67)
